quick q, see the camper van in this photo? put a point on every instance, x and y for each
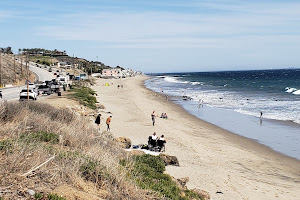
(62, 80)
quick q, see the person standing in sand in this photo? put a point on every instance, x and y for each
(98, 120)
(153, 117)
(108, 120)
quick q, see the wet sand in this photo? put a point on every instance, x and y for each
(226, 165)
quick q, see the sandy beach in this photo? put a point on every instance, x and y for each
(226, 165)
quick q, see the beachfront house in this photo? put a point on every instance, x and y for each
(111, 73)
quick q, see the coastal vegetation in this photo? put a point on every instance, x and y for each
(83, 94)
(58, 155)
(44, 60)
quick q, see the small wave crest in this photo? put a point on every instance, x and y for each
(174, 80)
(196, 83)
(297, 92)
(292, 90)
(177, 80)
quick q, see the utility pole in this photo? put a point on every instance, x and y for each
(0, 70)
(26, 61)
(15, 68)
(21, 65)
(73, 66)
(27, 76)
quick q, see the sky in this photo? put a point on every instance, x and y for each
(160, 35)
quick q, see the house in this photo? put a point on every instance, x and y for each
(111, 73)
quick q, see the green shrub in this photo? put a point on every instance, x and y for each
(54, 197)
(155, 163)
(46, 62)
(5, 145)
(90, 172)
(150, 175)
(84, 96)
(38, 196)
(70, 155)
(40, 137)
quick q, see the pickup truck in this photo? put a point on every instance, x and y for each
(45, 89)
(31, 94)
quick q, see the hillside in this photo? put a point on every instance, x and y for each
(13, 72)
(56, 153)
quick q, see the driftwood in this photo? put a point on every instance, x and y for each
(35, 168)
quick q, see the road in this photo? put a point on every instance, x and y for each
(42, 73)
(13, 93)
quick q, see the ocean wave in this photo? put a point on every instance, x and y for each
(174, 80)
(196, 83)
(297, 92)
(276, 107)
(177, 80)
(290, 90)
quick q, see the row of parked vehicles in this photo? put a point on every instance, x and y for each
(48, 87)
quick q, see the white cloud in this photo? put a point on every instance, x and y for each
(169, 29)
(5, 15)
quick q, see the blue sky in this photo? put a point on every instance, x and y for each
(157, 35)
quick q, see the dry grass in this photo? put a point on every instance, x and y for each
(85, 160)
(12, 72)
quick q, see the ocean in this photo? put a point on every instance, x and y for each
(235, 101)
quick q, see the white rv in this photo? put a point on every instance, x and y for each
(62, 80)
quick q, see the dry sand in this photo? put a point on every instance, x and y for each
(224, 164)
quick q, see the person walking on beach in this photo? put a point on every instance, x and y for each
(153, 117)
(98, 120)
(108, 120)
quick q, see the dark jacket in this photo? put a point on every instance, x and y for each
(97, 121)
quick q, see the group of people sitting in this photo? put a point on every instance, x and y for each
(163, 115)
(156, 143)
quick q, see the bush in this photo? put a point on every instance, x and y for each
(90, 172)
(40, 196)
(149, 170)
(40, 137)
(63, 115)
(10, 110)
(5, 145)
(45, 62)
(153, 163)
(84, 96)
(54, 197)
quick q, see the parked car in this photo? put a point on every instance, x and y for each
(25, 93)
(32, 86)
(45, 89)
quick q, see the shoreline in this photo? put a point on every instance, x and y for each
(254, 145)
(281, 136)
(213, 158)
(266, 132)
